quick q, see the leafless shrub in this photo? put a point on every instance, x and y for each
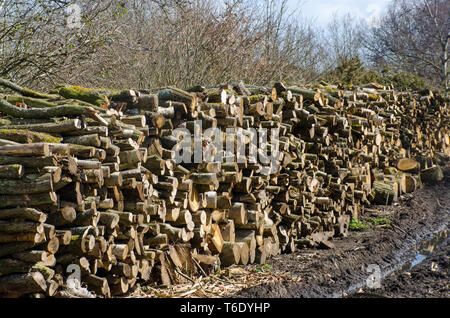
(37, 47)
(155, 43)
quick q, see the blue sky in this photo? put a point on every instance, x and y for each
(322, 10)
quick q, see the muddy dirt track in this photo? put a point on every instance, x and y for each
(343, 271)
(428, 279)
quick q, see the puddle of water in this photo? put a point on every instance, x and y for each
(418, 254)
(424, 249)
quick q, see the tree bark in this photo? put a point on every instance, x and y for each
(20, 284)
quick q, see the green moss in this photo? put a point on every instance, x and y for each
(256, 98)
(26, 136)
(83, 94)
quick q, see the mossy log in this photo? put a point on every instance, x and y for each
(24, 91)
(90, 96)
(30, 184)
(29, 162)
(82, 152)
(383, 193)
(42, 113)
(135, 120)
(27, 136)
(13, 171)
(131, 156)
(29, 101)
(432, 175)
(204, 178)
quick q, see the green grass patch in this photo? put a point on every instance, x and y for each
(264, 268)
(379, 221)
(357, 225)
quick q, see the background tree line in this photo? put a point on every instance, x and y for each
(142, 44)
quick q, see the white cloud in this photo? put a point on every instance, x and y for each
(374, 11)
(322, 10)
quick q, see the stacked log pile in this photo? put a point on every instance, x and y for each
(90, 177)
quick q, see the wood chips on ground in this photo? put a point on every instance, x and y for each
(228, 282)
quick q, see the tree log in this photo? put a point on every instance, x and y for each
(38, 149)
(230, 254)
(20, 284)
(432, 175)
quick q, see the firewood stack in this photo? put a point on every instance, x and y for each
(89, 177)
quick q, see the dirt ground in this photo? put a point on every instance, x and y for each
(430, 279)
(343, 271)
